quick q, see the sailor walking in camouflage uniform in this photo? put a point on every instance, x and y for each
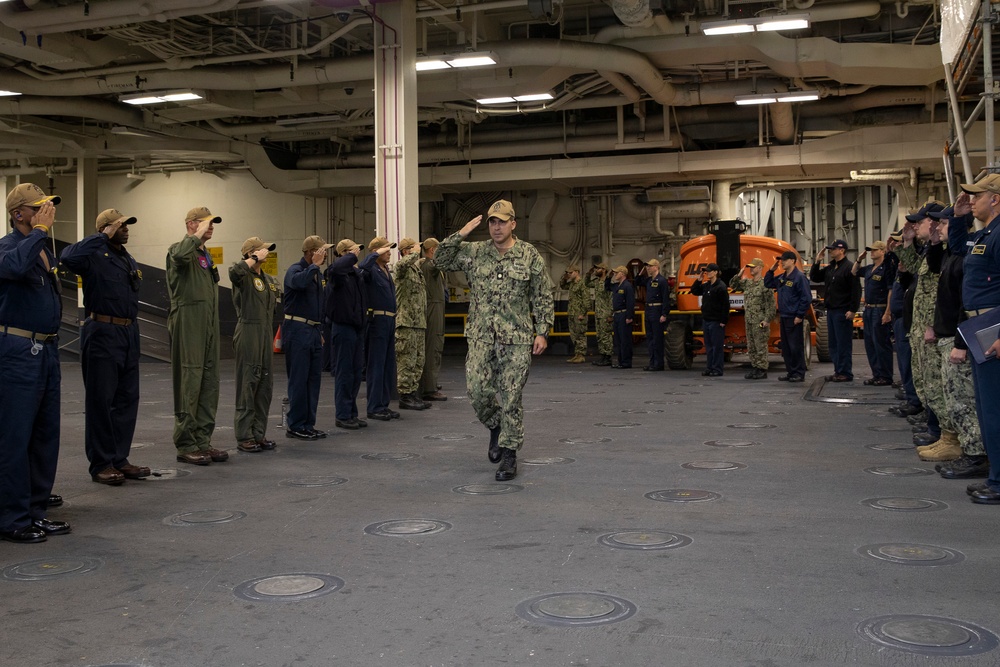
(411, 325)
(577, 307)
(603, 320)
(758, 311)
(510, 314)
(255, 297)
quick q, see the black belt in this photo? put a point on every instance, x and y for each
(33, 335)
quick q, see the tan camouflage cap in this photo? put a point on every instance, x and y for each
(315, 243)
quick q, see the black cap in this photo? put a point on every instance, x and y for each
(788, 254)
(925, 211)
(939, 215)
(839, 243)
(712, 267)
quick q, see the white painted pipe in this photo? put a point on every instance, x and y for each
(81, 16)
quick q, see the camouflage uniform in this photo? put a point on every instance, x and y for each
(960, 399)
(577, 305)
(411, 323)
(434, 281)
(506, 292)
(758, 306)
(926, 361)
(602, 314)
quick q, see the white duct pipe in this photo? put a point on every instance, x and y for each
(631, 207)
(633, 13)
(78, 108)
(104, 14)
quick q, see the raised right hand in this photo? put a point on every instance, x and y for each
(470, 226)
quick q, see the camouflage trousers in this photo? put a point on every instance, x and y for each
(927, 380)
(578, 334)
(496, 374)
(604, 328)
(960, 397)
(409, 359)
(757, 345)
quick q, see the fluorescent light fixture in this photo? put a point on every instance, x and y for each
(771, 98)
(760, 24)
(478, 59)
(429, 64)
(744, 100)
(7, 93)
(307, 120)
(159, 98)
(496, 100)
(799, 96)
(725, 27)
(784, 22)
(534, 97)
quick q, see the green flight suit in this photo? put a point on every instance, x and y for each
(434, 284)
(193, 324)
(510, 303)
(411, 322)
(255, 297)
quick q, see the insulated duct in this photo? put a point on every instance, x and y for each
(92, 15)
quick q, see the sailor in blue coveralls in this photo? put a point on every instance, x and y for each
(302, 338)
(109, 346)
(30, 312)
(981, 294)
(623, 312)
(380, 376)
(657, 307)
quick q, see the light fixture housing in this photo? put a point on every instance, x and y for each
(758, 24)
(458, 60)
(771, 98)
(161, 97)
(8, 93)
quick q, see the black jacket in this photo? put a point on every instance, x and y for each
(346, 302)
(843, 289)
(714, 300)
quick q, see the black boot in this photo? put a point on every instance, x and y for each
(605, 360)
(411, 402)
(494, 452)
(508, 466)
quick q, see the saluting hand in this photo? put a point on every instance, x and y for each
(319, 256)
(46, 215)
(262, 254)
(203, 229)
(470, 226)
(963, 205)
(112, 229)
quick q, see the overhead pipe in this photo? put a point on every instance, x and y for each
(90, 16)
(94, 109)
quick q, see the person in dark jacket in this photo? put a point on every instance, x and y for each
(794, 298)
(623, 312)
(714, 314)
(842, 299)
(380, 374)
(347, 308)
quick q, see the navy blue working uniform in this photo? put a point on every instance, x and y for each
(878, 282)
(714, 316)
(794, 298)
(657, 305)
(347, 310)
(109, 348)
(380, 374)
(30, 311)
(623, 311)
(843, 295)
(980, 294)
(901, 334)
(302, 341)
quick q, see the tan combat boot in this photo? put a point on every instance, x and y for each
(948, 451)
(926, 448)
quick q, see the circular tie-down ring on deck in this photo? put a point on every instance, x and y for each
(42, 569)
(407, 527)
(291, 587)
(928, 635)
(576, 609)
(912, 554)
(644, 540)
